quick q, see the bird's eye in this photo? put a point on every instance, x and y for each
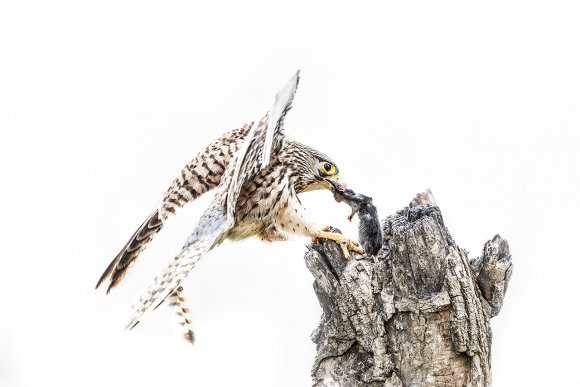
(327, 168)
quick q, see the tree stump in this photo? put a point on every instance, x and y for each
(416, 315)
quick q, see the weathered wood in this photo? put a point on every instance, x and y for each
(419, 316)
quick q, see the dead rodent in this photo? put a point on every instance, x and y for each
(369, 229)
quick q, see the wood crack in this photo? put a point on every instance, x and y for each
(419, 316)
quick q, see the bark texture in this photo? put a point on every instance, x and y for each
(417, 315)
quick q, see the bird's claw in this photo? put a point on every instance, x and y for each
(345, 243)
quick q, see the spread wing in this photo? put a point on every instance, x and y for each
(210, 231)
(200, 175)
(265, 138)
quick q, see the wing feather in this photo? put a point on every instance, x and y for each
(219, 218)
(265, 137)
(275, 131)
(210, 231)
(200, 175)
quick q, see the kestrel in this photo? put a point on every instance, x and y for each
(257, 173)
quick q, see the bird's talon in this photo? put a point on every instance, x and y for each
(344, 246)
(345, 243)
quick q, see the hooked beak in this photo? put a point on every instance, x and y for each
(336, 186)
(332, 182)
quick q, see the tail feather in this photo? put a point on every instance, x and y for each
(130, 252)
(210, 231)
(177, 301)
(168, 281)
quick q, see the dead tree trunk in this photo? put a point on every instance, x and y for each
(417, 317)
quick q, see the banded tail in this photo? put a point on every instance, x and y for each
(128, 254)
(177, 301)
(210, 231)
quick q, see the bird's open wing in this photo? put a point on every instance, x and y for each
(265, 138)
(253, 147)
(211, 229)
(200, 175)
(218, 219)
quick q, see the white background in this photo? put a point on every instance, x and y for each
(102, 103)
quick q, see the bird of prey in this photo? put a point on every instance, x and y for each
(257, 173)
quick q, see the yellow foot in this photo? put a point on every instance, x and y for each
(345, 243)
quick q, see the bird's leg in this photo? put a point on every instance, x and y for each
(345, 243)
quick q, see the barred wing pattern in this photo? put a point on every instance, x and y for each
(212, 227)
(200, 175)
(219, 218)
(265, 138)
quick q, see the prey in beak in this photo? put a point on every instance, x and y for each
(370, 233)
(355, 200)
(330, 182)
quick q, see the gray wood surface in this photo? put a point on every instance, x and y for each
(418, 316)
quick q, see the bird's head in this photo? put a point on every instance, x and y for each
(313, 169)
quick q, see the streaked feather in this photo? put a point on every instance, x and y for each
(209, 232)
(200, 175)
(275, 130)
(265, 137)
(129, 253)
(177, 302)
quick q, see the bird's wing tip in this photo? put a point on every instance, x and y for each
(297, 75)
(131, 325)
(288, 90)
(101, 282)
(106, 274)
